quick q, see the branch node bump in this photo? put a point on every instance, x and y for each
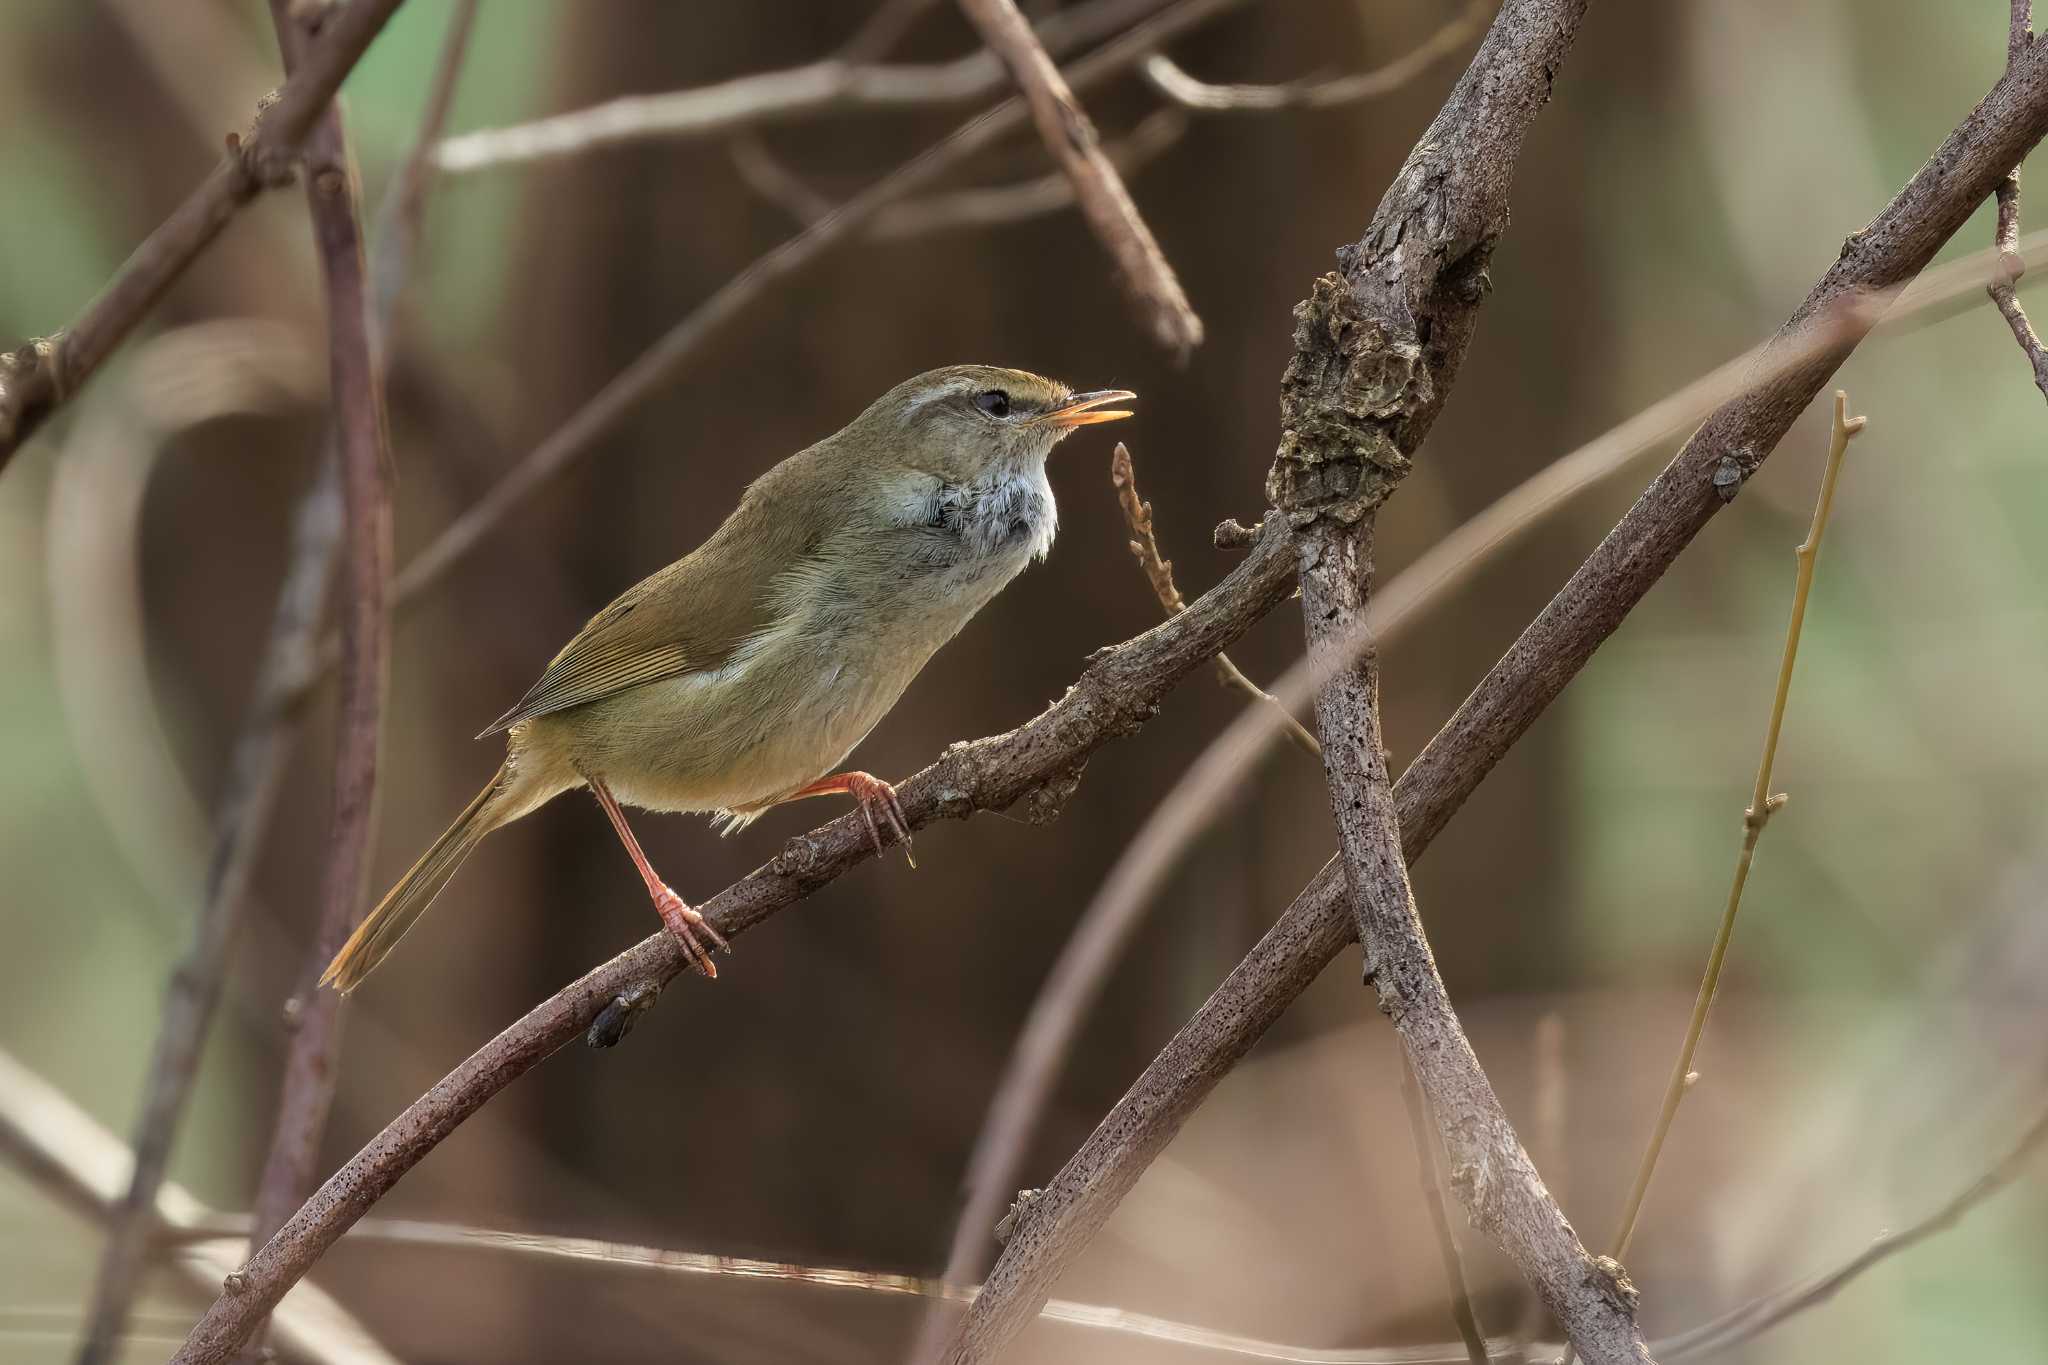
(1232, 534)
(616, 1019)
(1006, 1226)
(1611, 1279)
(1044, 803)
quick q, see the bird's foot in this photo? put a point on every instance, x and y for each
(879, 806)
(682, 920)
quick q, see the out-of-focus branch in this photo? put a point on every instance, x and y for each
(401, 217)
(262, 751)
(1069, 134)
(2004, 291)
(37, 378)
(1739, 436)
(850, 80)
(660, 363)
(203, 372)
(1032, 768)
(1168, 78)
(362, 448)
(1158, 571)
(992, 206)
(84, 1167)
(1754, 1319)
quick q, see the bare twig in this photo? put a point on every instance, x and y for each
(1069, 134)
(1032, 767)
(1428, 1160)
(946, 211)
(849, 80)
(1763, 804)
(363, 450)
(85, 1167)
(36, 378)
(1753, 1319)
(262, 751)
(1898, 243)
(2004, 290)
(660, 363)
(1168, 78)
(1158, 571)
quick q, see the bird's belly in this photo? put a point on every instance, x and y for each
(718, 741)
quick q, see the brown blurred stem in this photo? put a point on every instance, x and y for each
(38, 377)
(1069, 134)
(2004, 291)
(363, 451)
(1158, 571)
(1427, 1155)
(1733, 442)
(1172, 82)
(262, 752)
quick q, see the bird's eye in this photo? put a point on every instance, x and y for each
(994, 402)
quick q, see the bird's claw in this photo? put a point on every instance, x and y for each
(875, 795)
(683, 921)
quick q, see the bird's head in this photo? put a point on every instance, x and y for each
(970, 423)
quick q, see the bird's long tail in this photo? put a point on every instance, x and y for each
(404, 903)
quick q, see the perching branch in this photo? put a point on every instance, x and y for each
(853, 79)
(1069, 134)
(1067, 1213)
(2004, 291)
(37, 378)
(1032, 768)
(363, 450)
(1168, 78)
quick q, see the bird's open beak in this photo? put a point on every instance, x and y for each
(1085, 409)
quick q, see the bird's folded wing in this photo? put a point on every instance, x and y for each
(686, 618)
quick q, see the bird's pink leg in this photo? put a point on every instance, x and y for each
(676, 914)
(878, 805)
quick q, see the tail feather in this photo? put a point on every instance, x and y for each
(404, 903)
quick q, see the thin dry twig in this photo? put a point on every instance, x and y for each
(656, 367)
(363, 450)
(1962, 172)
(1171, 81)
(1158, 571)
(2004, 291)
(262, 751)
(38, 377)
(1069, 134)
(84, 1167)
(853, 79)
(1762, 805)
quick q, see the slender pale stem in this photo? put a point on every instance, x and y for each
(1762, 806)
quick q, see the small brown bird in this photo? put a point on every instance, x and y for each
(740, 676)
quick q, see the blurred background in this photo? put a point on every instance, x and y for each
(1879, 1039)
